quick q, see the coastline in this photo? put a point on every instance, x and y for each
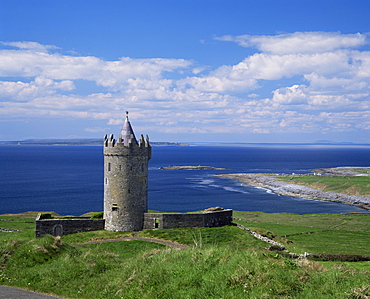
(288, 189)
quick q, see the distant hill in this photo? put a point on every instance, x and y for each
(86, 142)
(331, 142)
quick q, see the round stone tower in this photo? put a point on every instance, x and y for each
(126, 180)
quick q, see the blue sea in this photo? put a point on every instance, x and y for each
(69, 179)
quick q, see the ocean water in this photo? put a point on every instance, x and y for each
(69, 179)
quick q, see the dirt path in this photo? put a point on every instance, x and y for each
(137, 238)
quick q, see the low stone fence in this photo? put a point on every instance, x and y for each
(8, 230)
(263, 238)
(178, 220)
(47, 225)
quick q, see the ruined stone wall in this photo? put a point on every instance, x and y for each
(178, 220)
(60, 227)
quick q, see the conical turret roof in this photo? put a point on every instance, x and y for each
(127, 132)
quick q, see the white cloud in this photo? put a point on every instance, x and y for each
(115, 122)
(319, 84)
(198, 70)
(95, 130)
(299, 42)
(111, 74)
(41, 86)
(275, 67)
(244, 76)
(30, 46)
(294, 95)
(220, 84)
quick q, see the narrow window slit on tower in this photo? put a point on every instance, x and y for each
(109, 167)
(114, 207)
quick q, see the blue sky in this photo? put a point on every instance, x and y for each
(205, 70)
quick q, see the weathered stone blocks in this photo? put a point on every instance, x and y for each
(125, 183)
(178, 220)
(59, 226)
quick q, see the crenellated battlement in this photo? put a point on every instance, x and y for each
(111, 142)
(118, 148)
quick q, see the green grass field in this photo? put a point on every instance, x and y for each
(221, 262)
(317, 233)
(351, 185)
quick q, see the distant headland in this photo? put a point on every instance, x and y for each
(199, 167)
(82, 141)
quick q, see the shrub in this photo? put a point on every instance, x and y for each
(98, 215)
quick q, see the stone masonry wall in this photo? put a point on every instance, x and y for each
(60, 227)
(178, 220)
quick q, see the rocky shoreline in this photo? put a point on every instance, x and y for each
(287, 189)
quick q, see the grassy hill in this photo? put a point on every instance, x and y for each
(222, 262)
